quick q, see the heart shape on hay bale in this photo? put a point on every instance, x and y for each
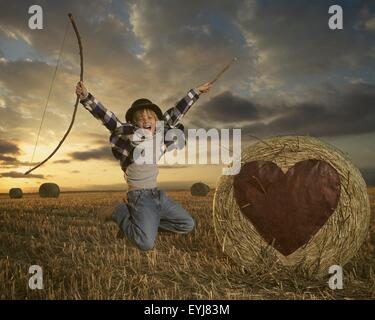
(287, 209)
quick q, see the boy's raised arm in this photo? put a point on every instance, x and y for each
(108, 118)
(173, 115)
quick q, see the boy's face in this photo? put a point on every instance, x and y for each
(145, 119)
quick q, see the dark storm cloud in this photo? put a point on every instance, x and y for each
(227, 107)
(8, 152)
(7, 159)
(36, 76)
(14, 174)
(103, 153)
(7, 147)
(62, 161)
(350, 112)
(344, 111)
(293, 38)
(188, 42)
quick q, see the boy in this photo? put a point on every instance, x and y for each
(148, 208)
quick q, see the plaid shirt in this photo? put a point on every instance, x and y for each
(121, 138)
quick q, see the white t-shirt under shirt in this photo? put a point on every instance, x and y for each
(141, 176)
(144, 176)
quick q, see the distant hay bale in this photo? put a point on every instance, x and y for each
(199, 189)
(311, 214)
(49, 190)
(15, 193)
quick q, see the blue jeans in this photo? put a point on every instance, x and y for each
(148, 210)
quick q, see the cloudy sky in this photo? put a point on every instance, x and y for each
(294, 76)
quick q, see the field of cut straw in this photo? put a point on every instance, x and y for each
(83, 260)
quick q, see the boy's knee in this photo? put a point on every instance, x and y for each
(145, 244)
(188, 225)
(191, 225)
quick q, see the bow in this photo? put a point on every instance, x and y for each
(77, 99)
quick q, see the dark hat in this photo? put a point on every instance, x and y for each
(142, 104)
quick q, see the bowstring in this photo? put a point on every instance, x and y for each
(50, 90)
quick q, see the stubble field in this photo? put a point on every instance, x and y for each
(82, 259)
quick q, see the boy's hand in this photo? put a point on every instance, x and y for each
(205, 87)
(81, 91)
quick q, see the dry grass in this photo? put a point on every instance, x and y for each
(84, 260)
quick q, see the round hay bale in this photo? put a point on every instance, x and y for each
(49, 190)
(15, 193)
(298, 203)
(199, 189)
